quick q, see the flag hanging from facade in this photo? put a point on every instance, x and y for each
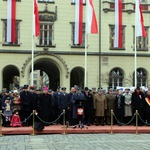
(139, 20)
(118, 24)
(92, 26)
(78, 22)
(11, 21)
(36, 19)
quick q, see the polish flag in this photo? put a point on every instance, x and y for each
(36, 19)
(78, 22)
(118, 24)
(11, 21)
(92, 26)
(139, 20)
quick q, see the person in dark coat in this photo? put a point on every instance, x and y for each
(88, 106)
(70, 105)
(26, 105)
(63, 104)
(55, 104)
(34, 98)
(45, 106)
(146, 107)
(138, 99)
(119, 107)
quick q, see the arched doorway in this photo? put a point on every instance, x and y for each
(47, 73)
(77, 77)
(10, 77)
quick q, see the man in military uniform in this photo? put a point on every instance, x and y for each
(110, 105)
(56, 101)
(100, 105)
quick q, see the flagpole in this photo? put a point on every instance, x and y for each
(135, 54)
(85, 61)
(135, 62)
(32, 61)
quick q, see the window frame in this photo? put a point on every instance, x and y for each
(72, 36)
(111, 38)
(42, 31)
(4, 32)
(140, 40)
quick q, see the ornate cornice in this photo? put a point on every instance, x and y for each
(47, 15)
(44, 53)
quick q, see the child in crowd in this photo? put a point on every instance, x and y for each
(15, 121)
(7, 111)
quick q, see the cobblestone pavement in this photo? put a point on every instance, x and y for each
(76, 142)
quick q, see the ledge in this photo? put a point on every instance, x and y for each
(53, 46)
(10, 44)
(117, 49)
(46, 2)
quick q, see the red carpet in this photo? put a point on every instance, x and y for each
(58, 129)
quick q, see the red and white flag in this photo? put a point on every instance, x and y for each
(11, 21)
(139, 20)
(92, 26)
(78, 22)
(36, 19)
(118, 24)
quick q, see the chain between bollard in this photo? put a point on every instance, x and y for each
(50, 122)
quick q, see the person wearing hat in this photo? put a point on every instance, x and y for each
(16, 101)
(100, 105)
(34, 100)
(138, 99)
(110, 98)
(45, 106)
(56, 103)
(7, 111)
(127, 106)
(88, 106)
(63, 103)
(26, 105)
(119, 107)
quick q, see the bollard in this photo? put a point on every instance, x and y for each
(136, 121)
(111, 122)
(1, 123)
(64, 120)
(33, 131)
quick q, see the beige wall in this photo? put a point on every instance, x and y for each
(62, 38)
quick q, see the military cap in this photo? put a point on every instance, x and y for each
(32, 88)
(25, 86)
(86, 88)
(63, 88)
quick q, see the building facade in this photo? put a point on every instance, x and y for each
(56, 54)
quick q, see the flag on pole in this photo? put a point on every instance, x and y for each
(11, 21)
(36, 19)
(92, 26)
(118, 24)
(139, 23)
(78, 22)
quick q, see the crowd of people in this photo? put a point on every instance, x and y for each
(97, 104)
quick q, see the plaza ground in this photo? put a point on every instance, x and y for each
(76, 142)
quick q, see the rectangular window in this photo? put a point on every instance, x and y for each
(83, 36)
(46, 37)
(141, 42)
(5, 33)
(111, 39)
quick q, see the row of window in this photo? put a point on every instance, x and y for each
(46, 37)
(116, 78)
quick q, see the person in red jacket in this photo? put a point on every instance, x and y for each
(15, 121)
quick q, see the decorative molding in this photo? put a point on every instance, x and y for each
(47, 15)
(43, 53)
